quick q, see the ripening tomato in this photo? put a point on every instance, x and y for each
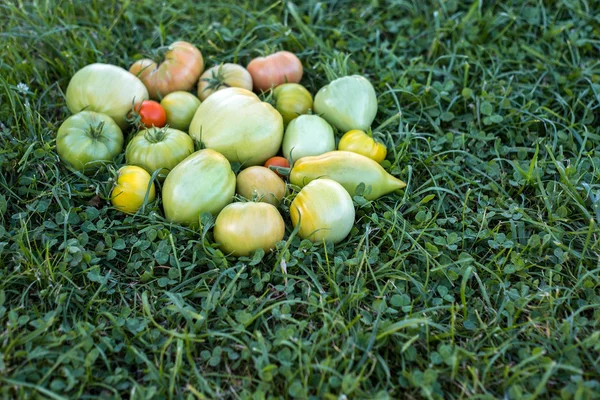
(221, 77)
(277, 161)
(180, 70)
(262, 183)
(275, 69)
(149, 114)
(292, 100)
(243, 228)
(358, 141)
(180, 108)
(131, 189)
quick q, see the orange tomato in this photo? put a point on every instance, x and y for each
(277, 162)
(275, 69)
(150, 114)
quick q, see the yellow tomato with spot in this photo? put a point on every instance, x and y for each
(130, 191)
(359, 142)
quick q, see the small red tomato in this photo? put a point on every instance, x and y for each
(150, 114)
(275, 69)
(277, 162)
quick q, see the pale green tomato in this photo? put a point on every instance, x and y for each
(260, 183)
(106, 89)
(347, 103)
(88, 140)
(292, 100)
(221, 77)
(203, 182)
(307, 135)
(243, 228)
(237, 124)
(180, 108)
(324, 210)
(159, 148)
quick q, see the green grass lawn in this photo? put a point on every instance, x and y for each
(480, 280)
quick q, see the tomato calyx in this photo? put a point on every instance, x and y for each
(95, 131)
(217, 80)
(156, 135)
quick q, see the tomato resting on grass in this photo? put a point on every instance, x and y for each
(149, 114)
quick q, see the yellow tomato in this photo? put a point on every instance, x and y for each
(358, 141)
(129, 192)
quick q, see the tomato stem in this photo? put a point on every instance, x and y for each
(96, 131)
(155, 135)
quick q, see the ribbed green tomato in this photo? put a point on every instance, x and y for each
(237, 124)
(347, 103)
(221, 77)
(324, 210)
(159, 148)
(88, 140)
(307, 135)
(243, 228)
(180, 108)
(292, 100)
(203, 182)
(106, 89)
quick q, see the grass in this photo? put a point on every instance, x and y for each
(480, 280)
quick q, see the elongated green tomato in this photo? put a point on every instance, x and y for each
(260, 183)
(180, 70)
(159, 148)
(347, 103)
(203, 182)
(292, 100)
(106, 89)
(243, 228)
(180, 108)
(358, 141)
(87, 140)
(221, 77)
(237, 124)
(324, 210)
(130, 190)
(307, 135)
(348, 169)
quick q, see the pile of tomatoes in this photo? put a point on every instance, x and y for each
(185, 144)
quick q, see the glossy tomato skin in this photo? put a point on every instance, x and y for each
(292, 100)
(358, 141)
(180, 70)
(106, 89)
(324, 210)
(275, 69)
(151, 114)
(159, 148)
(131, 188)
(203, 182)
(262, 183)
(307, 135)
(180, 108)
(277, 161)
(237, 124)
(221, 77)
(243, 228)
(347, 103)
(88, 140)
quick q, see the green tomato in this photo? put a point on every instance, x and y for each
(237, 124)
(260, 184)
(292, 100)
(243, 228)
(88, 140)
(307, 135)
(106, 89)
(324, 210)
(180, 108)
(159, 148)
(347, 103)
(203, 182)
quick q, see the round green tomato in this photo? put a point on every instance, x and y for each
(243, 228)
(106, 89)
(88, 140)
(292, 100)
(307, 135)
(159, 148)
(324, 210)
(203, 182)
(260, 183)
(180, 108)
(347, 103)
(237, 124)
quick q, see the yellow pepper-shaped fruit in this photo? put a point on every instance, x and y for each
(348, 169)
(358, 141)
